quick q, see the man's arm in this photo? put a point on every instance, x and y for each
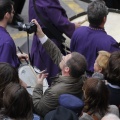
(49, 46)
(44, 103)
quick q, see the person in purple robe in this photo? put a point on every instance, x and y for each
(88, 40)
(52, 11)
(7, 45)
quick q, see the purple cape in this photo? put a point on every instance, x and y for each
(52, 11)
(7, 48)
(89, 41)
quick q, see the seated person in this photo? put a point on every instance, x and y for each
(75, 104)
(73, 67)
(61, 113)
(71, 102)
(7, 74)
(96, 99)
(17, 103)
(113, 78)
(101, 64)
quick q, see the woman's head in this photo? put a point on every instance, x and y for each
(101, 61)
(7, 74)
(17, 102)
(113, 69)
(96, 96)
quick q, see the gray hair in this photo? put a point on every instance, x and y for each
(96, 11)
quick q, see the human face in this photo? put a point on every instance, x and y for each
(97, 68)
(64, 60)
(11, 15)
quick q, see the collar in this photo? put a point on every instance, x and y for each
(96, 28)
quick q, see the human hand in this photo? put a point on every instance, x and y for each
(22, 56)
(41, 77)
(77, 24)
(39, 32)
(22, 83)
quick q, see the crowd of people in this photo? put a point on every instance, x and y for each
(83, 85)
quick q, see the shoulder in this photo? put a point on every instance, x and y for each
(113, 109)
(81, 29)
(85, 116)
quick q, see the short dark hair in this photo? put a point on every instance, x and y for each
(77, 64)
(113, 69)
(17, 102)
(96, 95)
(96, 11)
(7, 74)
(5, 6)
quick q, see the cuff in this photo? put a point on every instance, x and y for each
(43, 39)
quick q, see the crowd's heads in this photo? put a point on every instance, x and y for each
(61, 113)
(76, 64)
(96, 96)
(7, 74)
(101, 61)
(6, 6)
(96, 11)
(17, 102)
(71, 102)
(113, 69)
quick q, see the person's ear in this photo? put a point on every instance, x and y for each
(100, 70)
(104, 19)
(7, 15)
(67, 69)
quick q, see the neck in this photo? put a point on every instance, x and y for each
(3, 24)
(65, 74)
(100, 26)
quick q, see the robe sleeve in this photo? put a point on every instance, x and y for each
(60, 20)
(44, 103)
(6, 53)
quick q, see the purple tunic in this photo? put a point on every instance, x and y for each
(7, 48)
(52, 11)
(88, 42)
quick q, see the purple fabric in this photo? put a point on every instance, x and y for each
(7, 48)
(88, 42)
(52, 11)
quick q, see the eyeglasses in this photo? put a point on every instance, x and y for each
(13, 12)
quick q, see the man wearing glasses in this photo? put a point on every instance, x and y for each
(73, 67)
(7, 45)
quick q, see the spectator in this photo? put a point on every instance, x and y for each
(113, 78)
(71, 102)
(59, 19)
(7, 74)
(88, 40)
(61, 113)
(101, 64)
(17, 103)
(96, 98)
(72, 67)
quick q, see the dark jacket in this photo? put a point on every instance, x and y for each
(60, 85)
